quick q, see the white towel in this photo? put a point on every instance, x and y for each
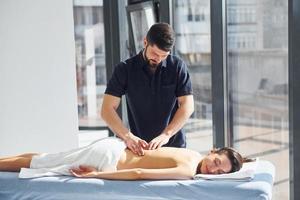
(102, 154)
(245, 173)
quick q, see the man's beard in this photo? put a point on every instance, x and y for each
(151, 65)
(148, 61)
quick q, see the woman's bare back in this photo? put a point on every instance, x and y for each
(164, 157)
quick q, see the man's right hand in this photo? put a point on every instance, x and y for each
(135, 144)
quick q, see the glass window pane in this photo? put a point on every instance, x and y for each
(258, 83)
(141, 21)
(90, 60)
(192, 27)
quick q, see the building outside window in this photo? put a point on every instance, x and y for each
(90, 61)
(258, 83)
(193, 39)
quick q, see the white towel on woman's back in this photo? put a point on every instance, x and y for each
(102, 154)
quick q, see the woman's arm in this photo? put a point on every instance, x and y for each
(180, 172)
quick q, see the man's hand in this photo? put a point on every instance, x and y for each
(84, 171)
(158, 141)
(136, 144)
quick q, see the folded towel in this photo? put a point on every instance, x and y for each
(245, 173)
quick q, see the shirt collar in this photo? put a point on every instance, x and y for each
(164, 63)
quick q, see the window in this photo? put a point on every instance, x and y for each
(192, 28)
(141, 18)
(90, 61)
(258, 80)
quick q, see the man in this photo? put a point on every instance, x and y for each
(117, 162)
(158, 91)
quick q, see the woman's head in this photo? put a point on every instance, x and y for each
(220, 161)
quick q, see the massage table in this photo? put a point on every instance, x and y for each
(71, 188)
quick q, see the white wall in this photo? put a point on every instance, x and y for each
(38, 110)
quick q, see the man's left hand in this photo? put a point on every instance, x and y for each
(158, 141)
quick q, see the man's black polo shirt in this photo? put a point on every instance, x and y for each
(151, 98)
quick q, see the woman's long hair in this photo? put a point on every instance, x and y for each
(235, 158)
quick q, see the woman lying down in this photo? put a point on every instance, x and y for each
(108, 158)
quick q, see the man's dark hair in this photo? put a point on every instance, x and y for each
(162, 35)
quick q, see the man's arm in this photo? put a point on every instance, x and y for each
(185, 110)
(180, 172)
(110, 116)
(183, 113)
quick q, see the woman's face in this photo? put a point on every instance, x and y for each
(215, 163)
